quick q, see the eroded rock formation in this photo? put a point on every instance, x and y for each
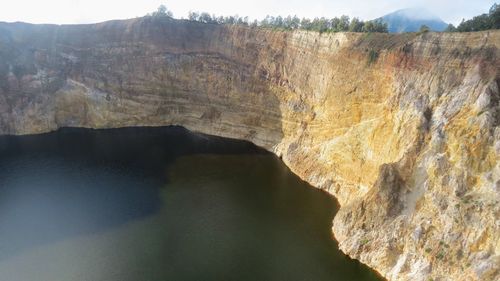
(402, 129)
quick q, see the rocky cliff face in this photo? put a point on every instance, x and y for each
(402, 129)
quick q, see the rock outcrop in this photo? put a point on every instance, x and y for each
(402, 129)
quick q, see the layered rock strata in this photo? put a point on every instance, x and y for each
(402, 129)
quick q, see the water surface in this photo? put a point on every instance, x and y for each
(160, 204)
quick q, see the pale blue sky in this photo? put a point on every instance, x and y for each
(89, 11)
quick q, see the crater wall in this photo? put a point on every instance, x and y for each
(401, 128)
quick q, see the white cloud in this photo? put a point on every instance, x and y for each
(87, 11)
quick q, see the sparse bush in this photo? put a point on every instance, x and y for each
(440, 255)
(162, 11)
(372, 56)
(424, 28)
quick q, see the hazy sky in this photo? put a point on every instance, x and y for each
(88, 11)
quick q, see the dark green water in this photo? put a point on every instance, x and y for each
(155, 204)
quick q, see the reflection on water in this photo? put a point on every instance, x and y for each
(160, 204)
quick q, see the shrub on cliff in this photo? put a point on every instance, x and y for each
(162, 11)
(372, 57)
(424, 28)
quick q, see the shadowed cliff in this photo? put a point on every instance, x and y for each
(402, 129)
(127, 73)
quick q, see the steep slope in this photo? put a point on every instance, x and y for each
(410, 20)
(402, 129)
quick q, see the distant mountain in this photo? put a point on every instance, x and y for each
(410, 20)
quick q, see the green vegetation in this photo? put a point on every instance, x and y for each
(364, 241)
(372, 56)
(342, 24)
(490, 20)
(440, 255)
(487, 21)
(162, 11)
(424, 28)
(450, 28)
(337, 24)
